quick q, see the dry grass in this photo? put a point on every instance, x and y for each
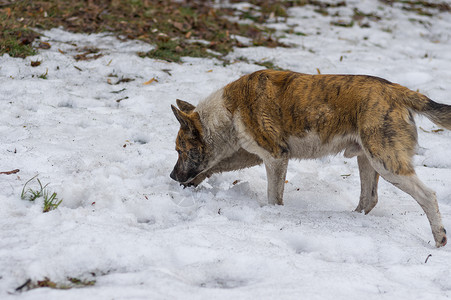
(177, 28)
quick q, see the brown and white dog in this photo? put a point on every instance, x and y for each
(271, 116)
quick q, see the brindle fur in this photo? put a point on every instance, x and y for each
(271, 116)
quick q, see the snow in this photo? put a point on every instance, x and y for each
(124, 223)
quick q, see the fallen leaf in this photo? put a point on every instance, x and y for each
(317, 70)
(35, 63)
(178, 25)
(10, 172)
(209, 71)
(124, 80)
(150, 81)
(85, 56)
(46, 283)
(44, 45)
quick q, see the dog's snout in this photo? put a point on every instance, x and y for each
(172, 175)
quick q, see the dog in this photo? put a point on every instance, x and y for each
(272, 116)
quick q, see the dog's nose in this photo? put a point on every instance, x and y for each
(173, 175)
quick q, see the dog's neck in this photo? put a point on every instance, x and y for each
(218, 131)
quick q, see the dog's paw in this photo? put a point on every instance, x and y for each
(442, 240)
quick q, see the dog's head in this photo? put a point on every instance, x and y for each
(190, 145)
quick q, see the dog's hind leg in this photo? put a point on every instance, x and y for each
(425, 197)
(368, 183)
(276, 171)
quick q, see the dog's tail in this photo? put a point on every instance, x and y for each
(438, 113)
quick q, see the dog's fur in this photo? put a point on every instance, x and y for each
(271, 116)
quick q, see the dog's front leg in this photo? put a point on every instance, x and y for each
(276, 171)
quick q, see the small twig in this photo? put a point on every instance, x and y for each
(427, 258)
(119, 100)
(117, 92)
(167, 71)
(18, 289)
(10, 172)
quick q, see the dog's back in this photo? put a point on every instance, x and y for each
(277, 106)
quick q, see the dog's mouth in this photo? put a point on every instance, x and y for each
(196, 180)
(188, 184)
(181, 179)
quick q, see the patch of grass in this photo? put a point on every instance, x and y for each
(46, 282)
(243, 59)
(88, 53)
(266, 9)
(31, 194)
(342, 23)
(17, 42)
(420, 7)
(171, 25)
(153, 21)
(72, 282)
(269, 65)
(173, 51)
(44, 75)
(77, 282)
(51, 202)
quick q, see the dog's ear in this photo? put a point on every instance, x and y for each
(185, 106)
(188, 121)
(181, 117)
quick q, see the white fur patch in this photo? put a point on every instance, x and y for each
(246, 141)
(213, 113)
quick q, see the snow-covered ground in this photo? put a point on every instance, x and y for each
(124, 223)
